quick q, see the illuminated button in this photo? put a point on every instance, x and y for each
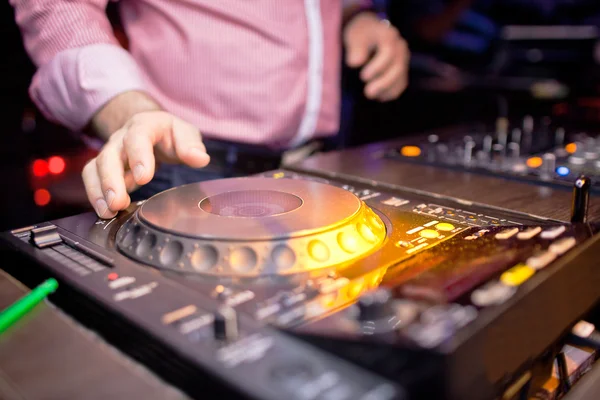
(367, 234)
(563, 171)
(347, 242)
(534, 162)
(283, 257)
(318, 250)
(376, 222)
(561, 246)
(278, 175)
(444, 226)
(112, 276)
(553, 233)
(204, 258)
(541, 260)
(517, 275)
(429, 233)
(571, 148)
(529, 233)
(507, 233)
(243, 259)
(410, 151)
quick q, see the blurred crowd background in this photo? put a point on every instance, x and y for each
(471, 60)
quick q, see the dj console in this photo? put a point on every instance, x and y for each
(529, 150)
(292, 286)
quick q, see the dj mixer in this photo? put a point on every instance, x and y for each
(530, 150)
(289, 285)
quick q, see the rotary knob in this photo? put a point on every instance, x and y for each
(376, 305)
(225, 324)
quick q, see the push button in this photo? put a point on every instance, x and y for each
(553, 233)
(429, 233)
(561, 246)
(507, 233)
(529, 233)
(517, 275)
(444, 226)
(541, 260)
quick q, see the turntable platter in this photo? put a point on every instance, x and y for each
(250, 209)
(251, 227)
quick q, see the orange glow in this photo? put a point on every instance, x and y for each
(39, 168)
(429, 233)
(571, 148)
(410, 151)
(41, 197)
(534, 162)
(56, 165)
(354, 289)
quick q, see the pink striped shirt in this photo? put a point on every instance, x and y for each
(252, 71)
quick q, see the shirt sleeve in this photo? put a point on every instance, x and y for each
(80, 64)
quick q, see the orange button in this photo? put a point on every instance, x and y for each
(410, 151)
(571, 148)
(534, 162)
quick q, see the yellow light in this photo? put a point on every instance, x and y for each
(534, 162)
(410, 151)
(429, 233)
(444, 226)
(318, 250)
(278, 175)
(517, 275)
(355, 288)
(347, 242)
(571, 148)
(367, 234)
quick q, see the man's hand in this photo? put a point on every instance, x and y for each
(129, 158)
(386, 74)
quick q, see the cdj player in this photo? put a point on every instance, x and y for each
(291, 286)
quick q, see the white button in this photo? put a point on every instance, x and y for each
(529, 233)
(414, 230)
(541, 260)
(560, 247)
(507, 234)
(119, 283)
(553, 233)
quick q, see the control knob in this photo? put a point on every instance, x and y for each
(580, 201)
(225, 324)
(376, 305)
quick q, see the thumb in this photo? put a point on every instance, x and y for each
(358, 49)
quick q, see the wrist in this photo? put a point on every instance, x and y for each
(356, 12)
(117, 111)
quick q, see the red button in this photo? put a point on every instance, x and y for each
(112, 276)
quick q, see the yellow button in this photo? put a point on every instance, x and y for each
(571, 148)
(318, 250)
(517, 275)
(429, 233)
(366, 232)
(278, 175)
(410, 151)
(534, 162)
(444, 226)
(347, 242)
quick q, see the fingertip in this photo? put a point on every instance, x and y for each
(197, 157)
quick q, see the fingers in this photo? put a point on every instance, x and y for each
(111, 173)
(93, 189)
(138, 144)
(386, 76)
(359, 45)
(188, 144)
(389, 85)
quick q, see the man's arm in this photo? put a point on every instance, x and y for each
(81, 66)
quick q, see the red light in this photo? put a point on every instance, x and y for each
(56, 165)
(41, 197)
(40, 168)
(112, 276)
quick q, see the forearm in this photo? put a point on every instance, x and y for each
(114, 114)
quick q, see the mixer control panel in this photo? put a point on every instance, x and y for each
(528, 149)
